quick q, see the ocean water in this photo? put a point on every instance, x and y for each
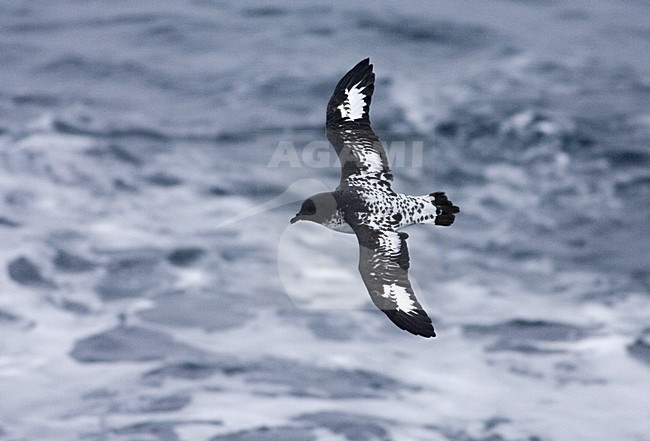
(152, 154)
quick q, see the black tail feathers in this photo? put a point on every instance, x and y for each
(445, 209)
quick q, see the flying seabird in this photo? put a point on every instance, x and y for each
(365, 204)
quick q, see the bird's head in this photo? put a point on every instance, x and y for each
(317, 208)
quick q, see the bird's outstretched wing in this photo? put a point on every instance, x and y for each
(348, 127)
(384, 264)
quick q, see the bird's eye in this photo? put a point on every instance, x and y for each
(308, 207)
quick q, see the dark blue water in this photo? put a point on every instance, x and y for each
(152, 154)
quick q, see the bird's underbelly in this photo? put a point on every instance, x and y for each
(338, 223)
(340, 226)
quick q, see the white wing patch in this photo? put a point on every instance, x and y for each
(400, 296)
(352, 107)
(391, 241)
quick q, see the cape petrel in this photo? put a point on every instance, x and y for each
(365, 204)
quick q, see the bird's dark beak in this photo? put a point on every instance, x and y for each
(295, 219)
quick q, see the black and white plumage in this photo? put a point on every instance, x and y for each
(365, 204)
